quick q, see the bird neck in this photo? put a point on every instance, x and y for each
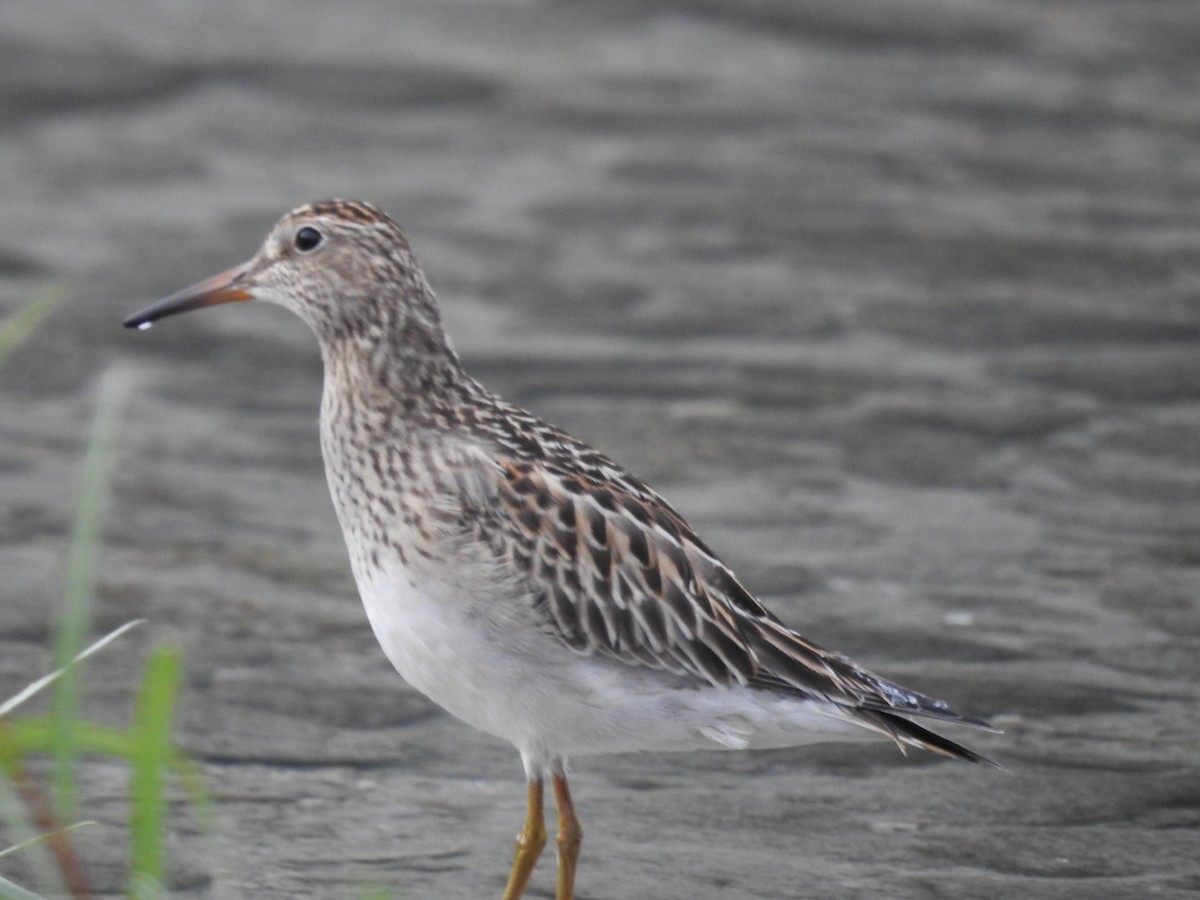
(408, 373)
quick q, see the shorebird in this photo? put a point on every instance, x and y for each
(516, 576)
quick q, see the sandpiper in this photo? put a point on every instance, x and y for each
(519, 578)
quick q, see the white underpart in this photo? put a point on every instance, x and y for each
(506, 677)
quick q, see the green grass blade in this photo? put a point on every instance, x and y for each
(75, 619)
(152, 756)
(17, 327)
(36, 735)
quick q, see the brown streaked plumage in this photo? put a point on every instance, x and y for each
(517, 576)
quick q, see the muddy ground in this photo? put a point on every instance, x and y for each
(896, 300)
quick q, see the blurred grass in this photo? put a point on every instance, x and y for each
(36, 854)
(64, 735)
(145, 746)
(17, 327)
(74, 620)
(10, 891)
(150, 746)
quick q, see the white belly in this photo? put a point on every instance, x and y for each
(524, 686)
(437, 645)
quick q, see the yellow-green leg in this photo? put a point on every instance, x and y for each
(570, 836)
(530, 842)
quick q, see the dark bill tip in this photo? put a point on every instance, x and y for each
(223, 288)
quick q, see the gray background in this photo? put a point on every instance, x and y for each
(896, 300)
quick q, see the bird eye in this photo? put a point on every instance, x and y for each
(307, 238)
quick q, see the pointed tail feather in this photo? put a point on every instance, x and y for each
(906, 733)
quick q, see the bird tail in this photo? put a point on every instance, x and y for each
(909, 734)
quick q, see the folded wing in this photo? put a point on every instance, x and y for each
(615, 571)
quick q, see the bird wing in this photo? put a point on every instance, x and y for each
(614, 570)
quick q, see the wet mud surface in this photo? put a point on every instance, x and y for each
(896, 301)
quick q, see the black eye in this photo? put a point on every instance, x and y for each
(307, 239)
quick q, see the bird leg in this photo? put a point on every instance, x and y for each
(530, 842)
(570, 836)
